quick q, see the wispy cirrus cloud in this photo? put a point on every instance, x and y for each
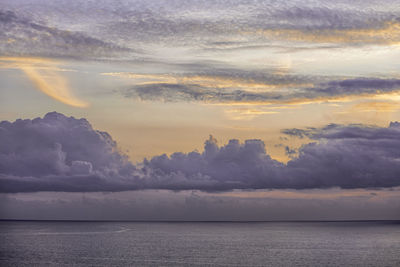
(45, 76)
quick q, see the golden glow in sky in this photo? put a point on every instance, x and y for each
(163, 82)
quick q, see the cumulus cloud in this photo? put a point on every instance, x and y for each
(59, 153)
(234, 165)
(354, 156)
(348, 156)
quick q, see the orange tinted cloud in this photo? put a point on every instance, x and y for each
(388, 33)
(45, 76)
(207, 81)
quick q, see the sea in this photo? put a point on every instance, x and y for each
(77, 243)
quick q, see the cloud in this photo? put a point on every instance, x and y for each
(357, 86)
(56, 152)
(21, 36)
(62, 29)
(336, 131)
(169, 92)
(354, 156)
(259, 205)
(254, 88)
(349, 156)
(59, 153)
(44, 74)
(267, 22)
(387, 33)
(220, 78)
(231, 166)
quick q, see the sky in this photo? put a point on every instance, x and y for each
(199, 110)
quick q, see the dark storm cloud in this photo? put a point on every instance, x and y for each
(59, 153)
(174, 92)
(22, 37)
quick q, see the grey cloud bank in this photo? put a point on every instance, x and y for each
(59, 153)
(175, 92)
(197, 206)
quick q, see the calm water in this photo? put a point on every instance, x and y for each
(201, 244)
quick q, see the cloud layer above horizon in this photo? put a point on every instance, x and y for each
(59, 153)
(162, 75)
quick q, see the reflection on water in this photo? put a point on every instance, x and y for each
(203, 244)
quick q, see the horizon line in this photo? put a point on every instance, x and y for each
(195, 221)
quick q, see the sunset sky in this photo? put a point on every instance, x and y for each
(313, 86)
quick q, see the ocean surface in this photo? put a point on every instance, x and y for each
(27, 243)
